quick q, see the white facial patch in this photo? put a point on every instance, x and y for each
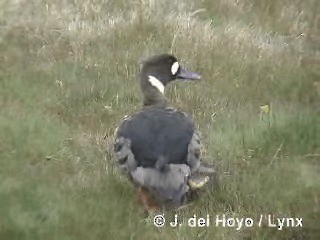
(156, 83)
(174, 68)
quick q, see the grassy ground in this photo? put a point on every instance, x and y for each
(68, 74)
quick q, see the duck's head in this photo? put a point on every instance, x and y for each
(156, 73)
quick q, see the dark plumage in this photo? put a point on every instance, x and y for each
(158, 135)
(158, 146)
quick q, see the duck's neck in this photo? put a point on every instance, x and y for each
(153, 92)
(154, 98)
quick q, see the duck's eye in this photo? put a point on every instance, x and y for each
(174, 68)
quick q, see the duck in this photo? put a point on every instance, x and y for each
(158, 147)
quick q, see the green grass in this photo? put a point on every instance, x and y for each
(69, 73)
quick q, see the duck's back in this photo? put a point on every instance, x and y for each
(158, 134)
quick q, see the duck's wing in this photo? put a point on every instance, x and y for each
(170, 184)
(158, 136)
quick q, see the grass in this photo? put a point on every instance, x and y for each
(68, 74)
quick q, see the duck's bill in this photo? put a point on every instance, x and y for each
(186, 75)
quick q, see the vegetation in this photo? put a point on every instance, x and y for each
(68, 74)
